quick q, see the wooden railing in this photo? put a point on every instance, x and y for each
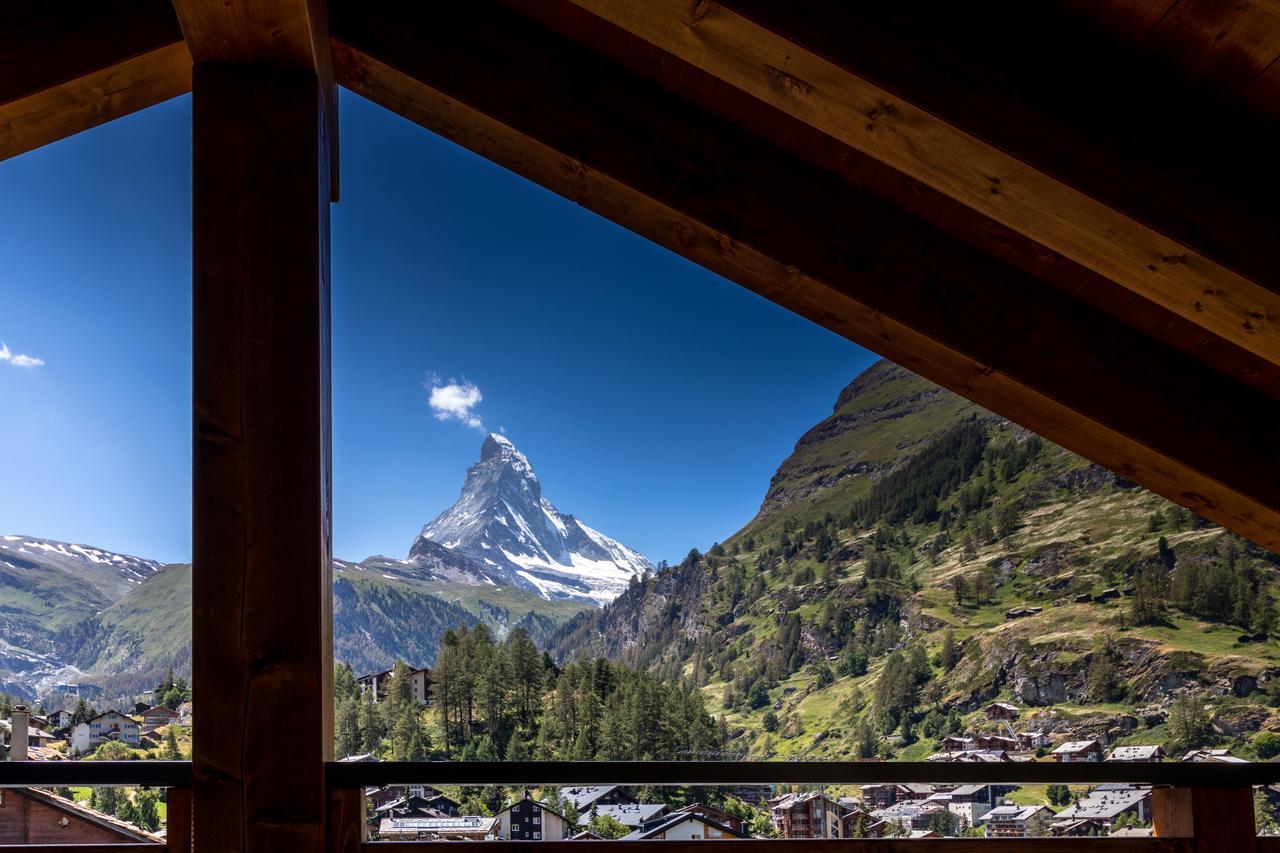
(1198, 808)
(174, 776)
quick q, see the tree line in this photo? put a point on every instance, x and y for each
(495, 700)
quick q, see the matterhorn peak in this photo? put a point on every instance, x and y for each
(502, 520)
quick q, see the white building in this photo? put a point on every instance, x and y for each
(109, 725)
(1012, 821)
(683, 826)
(528, 819)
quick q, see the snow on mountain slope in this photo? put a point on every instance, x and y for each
(502, 520)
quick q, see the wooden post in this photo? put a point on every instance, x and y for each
(1220, 819)
(262, 627)
(346, 820)
(177, 824)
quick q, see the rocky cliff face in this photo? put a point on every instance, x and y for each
(503, 522)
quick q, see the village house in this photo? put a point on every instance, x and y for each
(718, 815)
(860, 823)
(1107, 802)
(438, 828)
(1078, 750)
(160, 715)
(583, 797)
(992, 756)
(528, 819)
(630, 815)
(684, 826)
(377, 683)
(970, 802)
(37, 816)
(1012, 821)
(1136, 754)
(958, 743)
(808, 815)
(910, 814)
(1031, 741)
(410, 806)
(36, 737)
(1001, 711)
(58, 719)
(109, 725)
(1218, 756)
(879, 796)
(996, 743)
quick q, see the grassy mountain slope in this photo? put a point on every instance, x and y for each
(132, 643)
(910, 515)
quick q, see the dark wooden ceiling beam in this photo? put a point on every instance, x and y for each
(1160, 263)
(69, 66)
(540, 105)
(289, 34)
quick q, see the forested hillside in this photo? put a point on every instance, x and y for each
(496, 700)
(917, 556)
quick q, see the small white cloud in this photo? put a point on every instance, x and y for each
(18, 359)
(455, 401)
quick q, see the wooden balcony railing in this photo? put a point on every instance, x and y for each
(1197, 808)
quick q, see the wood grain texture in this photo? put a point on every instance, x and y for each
(262, 649)
(1171, 814)
(897, 132)
(66, 67)
(346, 821)
(1224, 819)
(633, 153)
(178, 831)
(292, 34)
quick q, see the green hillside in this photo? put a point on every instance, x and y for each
(129, 646)
(887, 589)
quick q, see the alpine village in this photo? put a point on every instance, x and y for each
(923, 581)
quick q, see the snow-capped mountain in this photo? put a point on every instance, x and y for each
(502, 521)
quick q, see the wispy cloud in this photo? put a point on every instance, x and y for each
(18, 359)
(455, 401)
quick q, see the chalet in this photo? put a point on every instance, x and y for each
(1107, 802)
(719, 816)
(910, 814)
(109, 725)
(1077, 828)
(1013, 821)
(1078, 750)
(860, 823)
(160, 715)
(1029, 741)
(377, 683)
(438, 828)
(970, 802)
(1216, 756)
(808, 815)
(631, 815)
(684, 826)
(1136, 753)
(882, 795)
(991, 756)
(528, 819)
(584, 797)
(958, 743)
(1002, 711)
(58, 719)
(997, 743)
(37, 816)
(410, 806)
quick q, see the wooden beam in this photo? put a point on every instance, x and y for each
(69, 66)
(262, 648)
(512, 91)
(857, 111)
(292, 34)
(177, 823)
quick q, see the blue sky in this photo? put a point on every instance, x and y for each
(653, 398)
